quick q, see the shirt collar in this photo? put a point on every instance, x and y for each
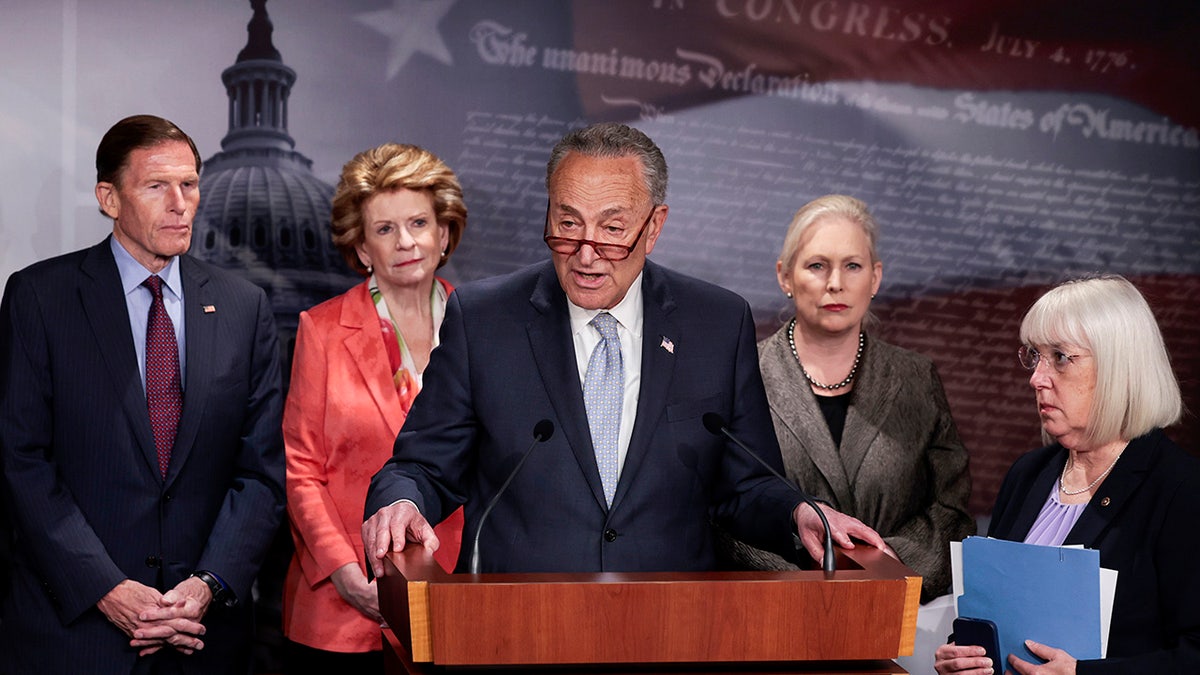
(133, 273)
(628, 312)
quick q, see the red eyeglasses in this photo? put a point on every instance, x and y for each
(605, 250)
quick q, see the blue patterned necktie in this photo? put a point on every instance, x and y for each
(604, 396)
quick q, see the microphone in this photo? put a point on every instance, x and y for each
(716, 426)
(542, 431)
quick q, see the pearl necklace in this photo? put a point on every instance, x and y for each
(862, 338)
(1063, 477)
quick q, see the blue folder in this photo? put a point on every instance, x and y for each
(1046, 594)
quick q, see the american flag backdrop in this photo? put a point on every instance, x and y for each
(1002, 145)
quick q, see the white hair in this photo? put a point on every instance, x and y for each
(1136, 390)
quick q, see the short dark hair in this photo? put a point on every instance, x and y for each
(132, 133)
(611, 140)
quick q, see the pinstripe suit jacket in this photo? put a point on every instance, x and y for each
(88, 505)
(506, 361)
(901, 467)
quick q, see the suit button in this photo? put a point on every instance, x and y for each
(610, 535)
(153, 561)
(167, 497)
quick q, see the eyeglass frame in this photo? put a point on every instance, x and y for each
(1030, 353)
(597, 246)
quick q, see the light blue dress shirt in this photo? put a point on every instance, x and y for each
(138, 299)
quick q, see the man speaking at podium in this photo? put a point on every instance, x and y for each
(623, 358)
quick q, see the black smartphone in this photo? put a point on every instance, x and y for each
(981, 633)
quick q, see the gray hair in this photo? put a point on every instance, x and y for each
(1136, 390)
(612, 140)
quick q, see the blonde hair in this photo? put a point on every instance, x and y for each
(821, 207)
(388, 167)
(1136, 390)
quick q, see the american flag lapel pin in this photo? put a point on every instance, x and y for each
(209, 309)
(668, 345)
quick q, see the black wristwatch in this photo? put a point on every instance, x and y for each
(220, 594)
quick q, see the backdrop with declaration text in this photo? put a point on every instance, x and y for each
(1003, 145)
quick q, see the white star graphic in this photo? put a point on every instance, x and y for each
(411, 26)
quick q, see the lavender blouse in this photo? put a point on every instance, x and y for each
(1054, 521)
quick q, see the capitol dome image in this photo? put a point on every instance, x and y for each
(263, 213)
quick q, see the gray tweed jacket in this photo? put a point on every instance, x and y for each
(901, 467)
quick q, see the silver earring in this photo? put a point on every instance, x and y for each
(370, 269)
(789, 294)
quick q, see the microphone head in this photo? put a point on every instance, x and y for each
(543, 430)
(714, 423)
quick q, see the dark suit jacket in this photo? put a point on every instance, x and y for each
(506, 361)
(88, 504)
(901, 467)
(1143, 521)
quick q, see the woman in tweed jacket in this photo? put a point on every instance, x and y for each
(863, 425)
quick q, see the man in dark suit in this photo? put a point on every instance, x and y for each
(625, 358)
(139, 435)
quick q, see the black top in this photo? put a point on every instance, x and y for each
(834, 409)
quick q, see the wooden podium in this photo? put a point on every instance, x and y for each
(853, 621)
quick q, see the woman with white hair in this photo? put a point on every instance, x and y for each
(1110, 479)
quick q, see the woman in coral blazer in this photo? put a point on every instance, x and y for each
(398, 213)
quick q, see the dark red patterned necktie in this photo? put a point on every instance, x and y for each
(164, 396)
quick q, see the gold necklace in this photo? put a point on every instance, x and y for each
(1063, 477)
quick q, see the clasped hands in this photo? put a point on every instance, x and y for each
(154, 620)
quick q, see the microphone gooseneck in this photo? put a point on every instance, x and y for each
(542, 431)
(717, 427)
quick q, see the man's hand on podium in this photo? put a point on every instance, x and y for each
(391, 528)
